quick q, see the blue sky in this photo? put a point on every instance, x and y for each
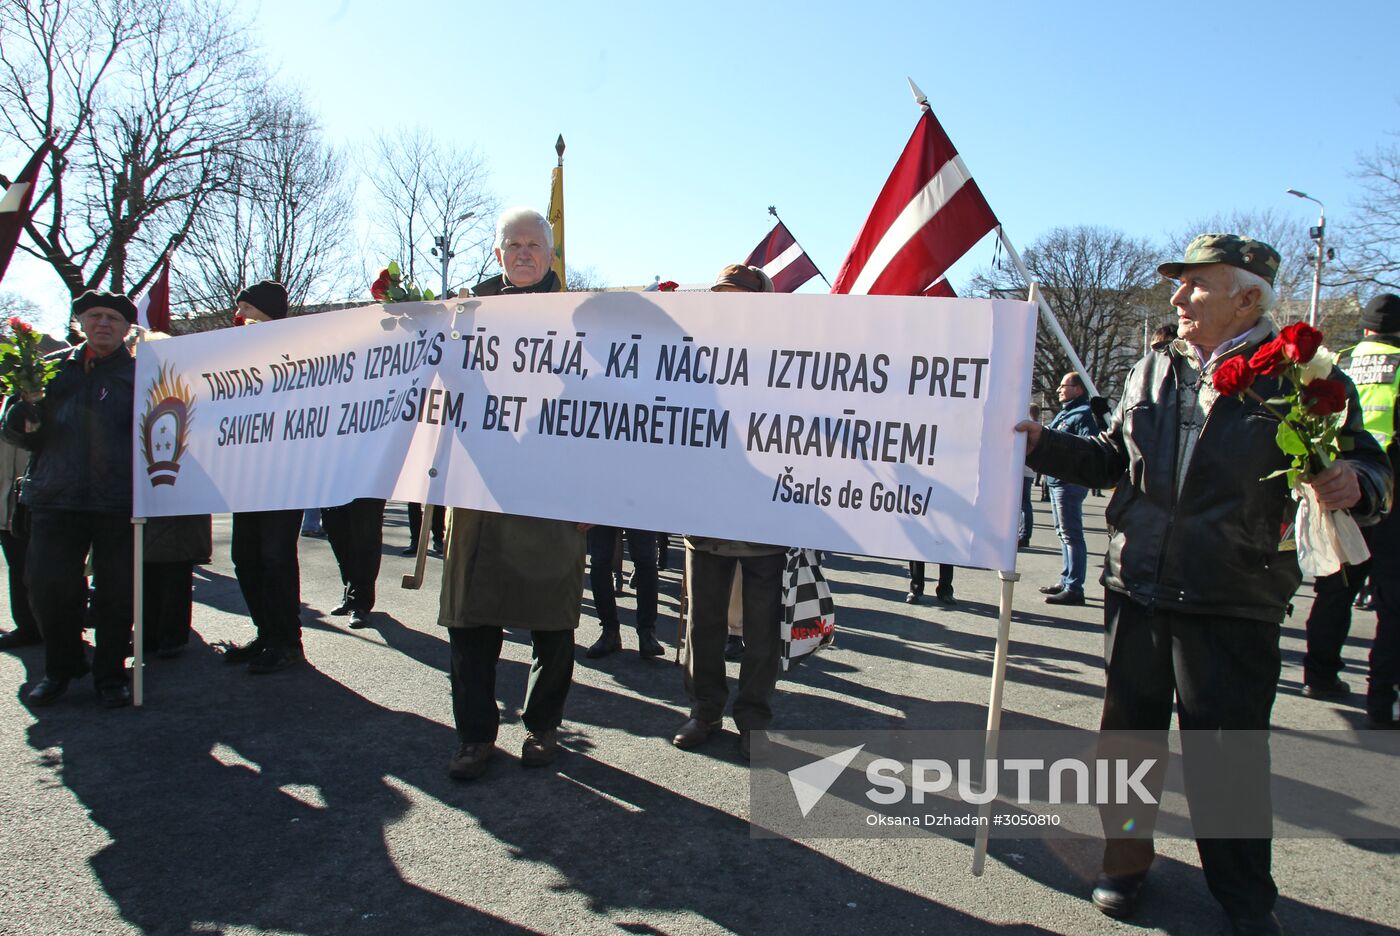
(685, 121)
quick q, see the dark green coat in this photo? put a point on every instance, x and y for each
(501, 570)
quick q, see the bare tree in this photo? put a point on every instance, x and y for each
(1370, 239)
(284, 215)
(1099, 282)
(582, 279)
(13, 304)
(1280, 231)
(141, 100)
(429, 198)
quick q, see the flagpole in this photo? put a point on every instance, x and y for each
(774, 212)
(1048, 314)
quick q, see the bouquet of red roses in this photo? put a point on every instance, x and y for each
(23, 370)
(1310, 412)
(389, 287)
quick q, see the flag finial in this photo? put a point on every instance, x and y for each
(919, 97)
(559, 148)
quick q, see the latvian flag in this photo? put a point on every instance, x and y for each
(783, 259)
(153, 309)
(928, 215)
(14, 205)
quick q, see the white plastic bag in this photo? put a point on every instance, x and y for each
(1327, 539)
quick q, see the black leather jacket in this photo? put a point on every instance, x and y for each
(1214, 547)
(82, 449)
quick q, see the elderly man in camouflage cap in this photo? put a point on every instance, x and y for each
(1197, 577)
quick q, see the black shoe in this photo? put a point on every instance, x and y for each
(1332, 688)
(608, 642)
(341, 609)
(1117, 896)
(1051, 589)
(16, 639)
(913, 597)
(470, 760)
(48, 690)
(694, 733)
(410, 550)
(945, 597)
(436, 548)
(114, 694)
(1070, 596)
(275, 659)
(539, 750)
(249, 651)
(358, 619)
(1256, 926)
(648, 645)
(733, 647)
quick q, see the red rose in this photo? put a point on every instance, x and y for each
(1233, 376)
(1300, 342)
(20, 325)
(1323, 397)
(668, 286)
(238, 319)
(1269, 359)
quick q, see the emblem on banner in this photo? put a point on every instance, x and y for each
(165, 426)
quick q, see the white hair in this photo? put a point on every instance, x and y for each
(513, 216)
(1247, 280)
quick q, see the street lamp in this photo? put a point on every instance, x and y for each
(441, 250)
(1317, 233)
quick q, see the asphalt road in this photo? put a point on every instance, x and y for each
(317, 801)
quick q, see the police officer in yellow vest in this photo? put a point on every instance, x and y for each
(1374, 366)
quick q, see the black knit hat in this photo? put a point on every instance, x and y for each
(1382, 314)
(269, 297)
(92, 299)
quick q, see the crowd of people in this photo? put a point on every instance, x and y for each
(1197, 577)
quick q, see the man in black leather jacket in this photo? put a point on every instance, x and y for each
(78, 491)
(1197, 579)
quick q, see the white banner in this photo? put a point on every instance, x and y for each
(876, 425)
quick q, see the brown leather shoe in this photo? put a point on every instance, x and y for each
(694, 733)
(539, 750)
(470, 761)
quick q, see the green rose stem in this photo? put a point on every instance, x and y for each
(1316, 462)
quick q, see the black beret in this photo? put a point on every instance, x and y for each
(1382, 314)
(92, 299)
(269, 297)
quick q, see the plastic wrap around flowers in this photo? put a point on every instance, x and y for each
(1310, 413)
(389, 287)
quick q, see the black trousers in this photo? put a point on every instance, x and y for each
(356, 534)
(1330, 621)
(265, 562)
(415, 523)
(641, 546)
(59, 541)
(711, 579)
(1385, 650)
(16, 545)
(475, 653)
(916, 578)
(167, 593)
(1223, 672)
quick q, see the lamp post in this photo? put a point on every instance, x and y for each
(1318, 234)
(442, 249)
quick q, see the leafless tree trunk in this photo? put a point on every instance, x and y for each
(425, 192)
(142, 99)
(1099, 282)
(285, 215)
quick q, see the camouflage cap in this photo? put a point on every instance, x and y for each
(1246, 253)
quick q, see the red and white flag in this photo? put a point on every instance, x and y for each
(14, 205)
(941, 288)
(928, 215)
(783, 259)
(153, 309)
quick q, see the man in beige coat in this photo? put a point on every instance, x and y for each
(502, 570)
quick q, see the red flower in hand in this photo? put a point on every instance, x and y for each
(1233, 376)
(20, 325)
(1323, 397)
(1300, 342)
(1269, 359)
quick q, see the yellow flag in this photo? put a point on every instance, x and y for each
(556, 213)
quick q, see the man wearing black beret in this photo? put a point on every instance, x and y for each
(78, 491)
